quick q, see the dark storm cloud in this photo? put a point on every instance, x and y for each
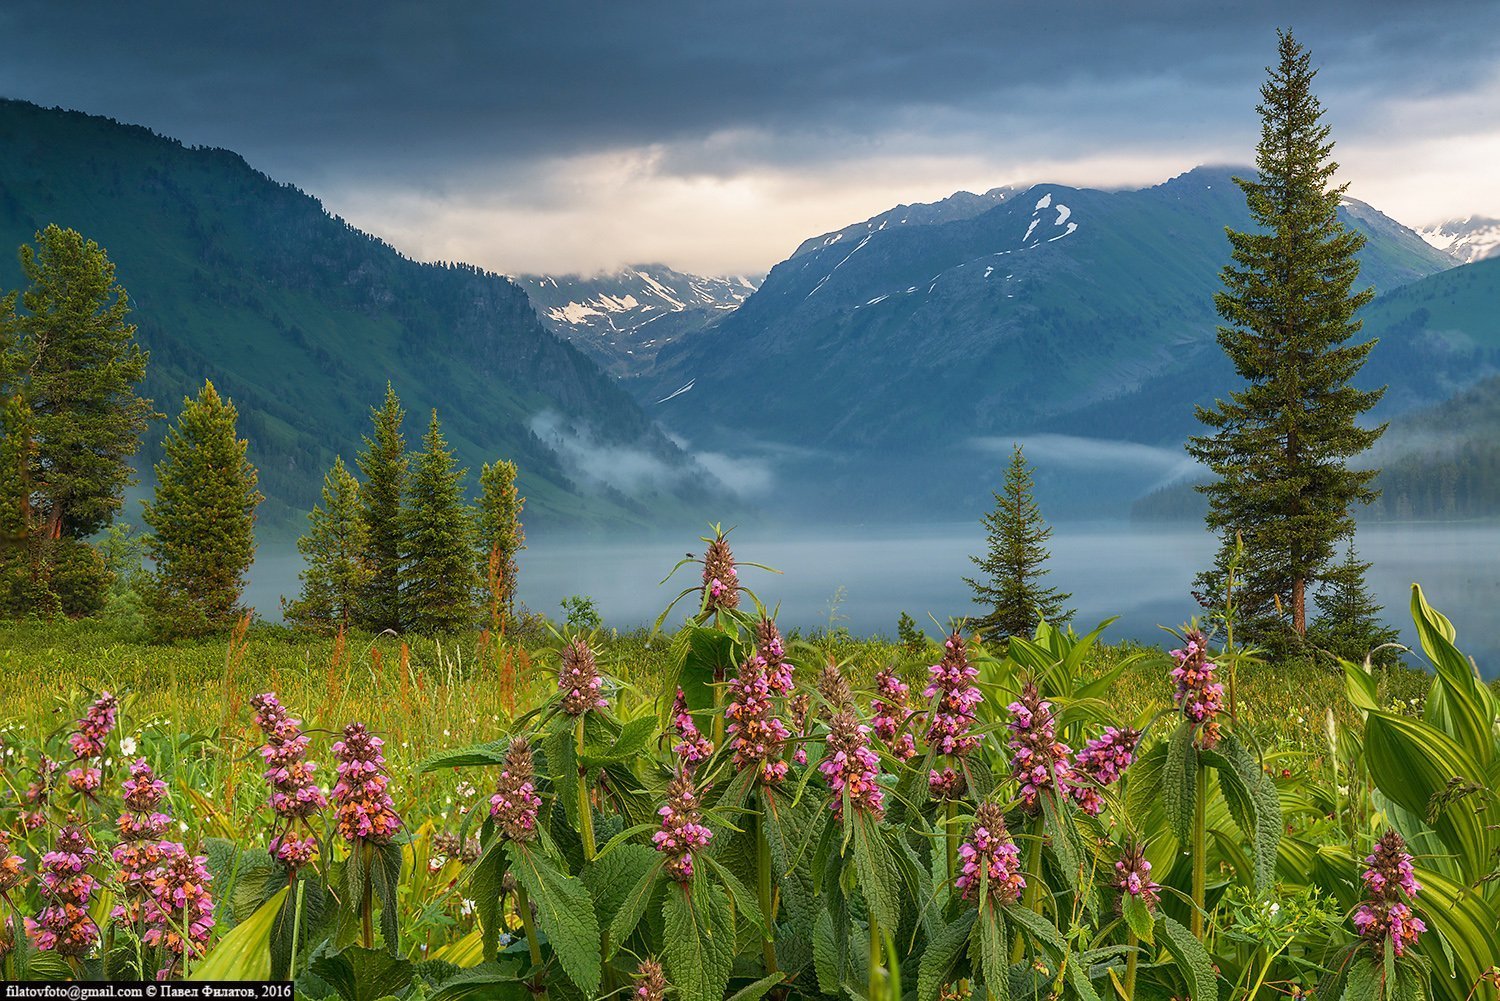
(554, 135)
(392, 84)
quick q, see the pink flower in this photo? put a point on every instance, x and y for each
(515, 803)
(12, 867)
(650, 981)
(1133, 876)
(721, 581)
(179, 907)
(949, 722)
(1391, 885)
(769, 648)
(756, 734)
(1199, 695)
(990, 856)
(850, 767)
(579, 681)
(140, 827)
(693, 748)
(90, 739)
(1038, 760)
(295, 795)
(1099, 764)
(682, 831)
(365, 810)
(64, 924)
(891, 714)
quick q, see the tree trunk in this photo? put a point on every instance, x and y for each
(1299, 606)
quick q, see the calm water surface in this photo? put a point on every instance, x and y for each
(864, 578)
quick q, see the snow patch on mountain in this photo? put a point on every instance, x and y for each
(1469, 240)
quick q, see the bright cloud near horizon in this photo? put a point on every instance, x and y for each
(716, 136)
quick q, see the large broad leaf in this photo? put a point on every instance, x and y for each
(709, 652)
(1138, 917)
(1193, 961)
(1179, 783)
(363, 973)
(627, 744)
(632, 906)
(245, 953)
(759, 989)
(1421, 768)
(1459, 704)
(789, 828)
(564, 910)
(485, 881)
(491, 752)
(943, 949)
(486, 982)
(385, 877)
(699, 941)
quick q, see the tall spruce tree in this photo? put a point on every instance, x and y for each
(202, 519)
(439, 581)
(501, 537)
(1014, 564)
(82, 367)
(384, 465)
(1278, 446)
(1348, 624)
(334, 548)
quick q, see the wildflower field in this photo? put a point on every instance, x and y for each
(713, 809)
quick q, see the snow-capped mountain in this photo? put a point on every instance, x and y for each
(623, 318)
(1469, 240)
(962, 205)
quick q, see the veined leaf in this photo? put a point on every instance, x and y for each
(632, 907)
(877, 875)
(1459, 704)
(989, 952)
(363, 973)
(243, 954)
(759, 989)
(1180, 783)
(491, 752)
(941, 954)
(1192, 959)
(1138, 916)
(565, 911)
(699, 939)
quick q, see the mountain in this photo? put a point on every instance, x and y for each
(926, 347)
(1471, 239)
(622, 319)
(301, 319)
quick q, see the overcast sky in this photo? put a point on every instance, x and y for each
(559, 136)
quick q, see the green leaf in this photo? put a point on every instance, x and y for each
(363, 973)
(562, 768)
(1364, 981)
(877, 877)
(489, 981)
(759, 989)
(827, 963)
(936, 964)
(699, 942)
(1180, 783)
(788, 829)
(632, 906)
(1253, 802)
(243, 954)
(565, 911)
(629, 743)
(491, 752)
(745, 902)
(1040, 928)
(1459, 704)
(989, 954)
(1192, 959)
(709, 651)
(385, 877)
(1138, 916)
(486, 881)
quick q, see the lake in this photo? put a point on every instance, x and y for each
(865, 577)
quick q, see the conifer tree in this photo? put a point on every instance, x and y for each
(440, 581)
(1348, 624)
(202, 519)
(501, 537)
(1278, 446)
(384, 465)
(334, 548)
(82, 367)
(1012, 590)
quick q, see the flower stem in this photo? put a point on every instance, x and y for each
(1031, 897)
(1200, 858)
(523, 904)
(950, 811)
(367, 906)
(875, 979)
(585, 809)
(1131, 959)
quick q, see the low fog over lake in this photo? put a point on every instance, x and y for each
(864, 577)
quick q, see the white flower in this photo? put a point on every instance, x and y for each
(127, 746)
(465, 789)
(466, 907)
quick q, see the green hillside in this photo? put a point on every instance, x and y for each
(301, 319)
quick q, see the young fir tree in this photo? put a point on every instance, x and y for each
(1014, 564)
(1278, 446)
(82, 367)
(501, 537)
(334, 547)
(384, 464)
(439, 581)
(202, 520)
(1348, 624)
